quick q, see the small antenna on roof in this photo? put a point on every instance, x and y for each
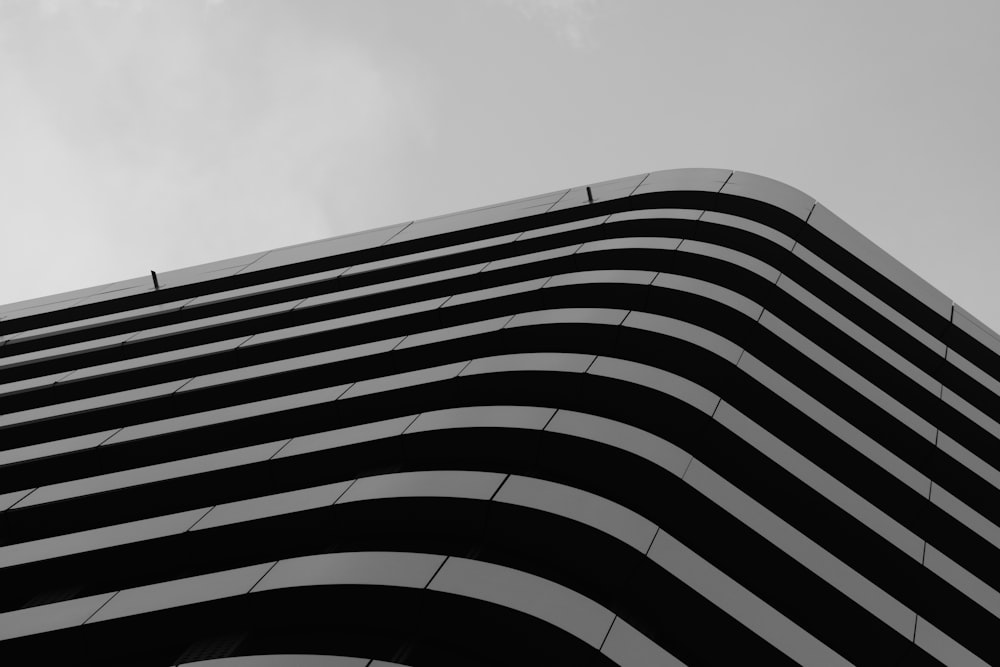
(590, 195)
(156, 283)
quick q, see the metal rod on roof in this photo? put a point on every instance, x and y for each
(590, 195)
(156, 283)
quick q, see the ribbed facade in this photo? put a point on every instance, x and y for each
(688, 417)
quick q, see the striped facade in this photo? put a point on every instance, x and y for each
(689, 417)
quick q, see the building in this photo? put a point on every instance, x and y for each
(689, 417)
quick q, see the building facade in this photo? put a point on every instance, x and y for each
(688, 417)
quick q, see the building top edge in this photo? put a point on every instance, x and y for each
(724, 181)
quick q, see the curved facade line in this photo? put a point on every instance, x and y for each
(501, 420)
(889, 402)
(802, 428)
(34, 499)
(64, 379)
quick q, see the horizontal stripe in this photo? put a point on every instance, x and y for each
(763, 415)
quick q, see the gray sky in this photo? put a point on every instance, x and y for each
(156, 134)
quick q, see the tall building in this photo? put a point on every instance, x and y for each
(688, 417)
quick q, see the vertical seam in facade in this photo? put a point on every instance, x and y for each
(278, 451)
(244, 268)
(732, 172)
(344, 492)
(607, 633)
(415, 418)
(561, 197)
(650, 546)
(22, 499)
(186, 383)
(405, 227)
(554, 412)
(436, 572)
(638, 185)
(687, 467)
(198, 520)
(105, 604)
(499, 486)
(109, 437)
(809, 214)
(261, 577)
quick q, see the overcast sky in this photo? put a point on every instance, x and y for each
(156, 134)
